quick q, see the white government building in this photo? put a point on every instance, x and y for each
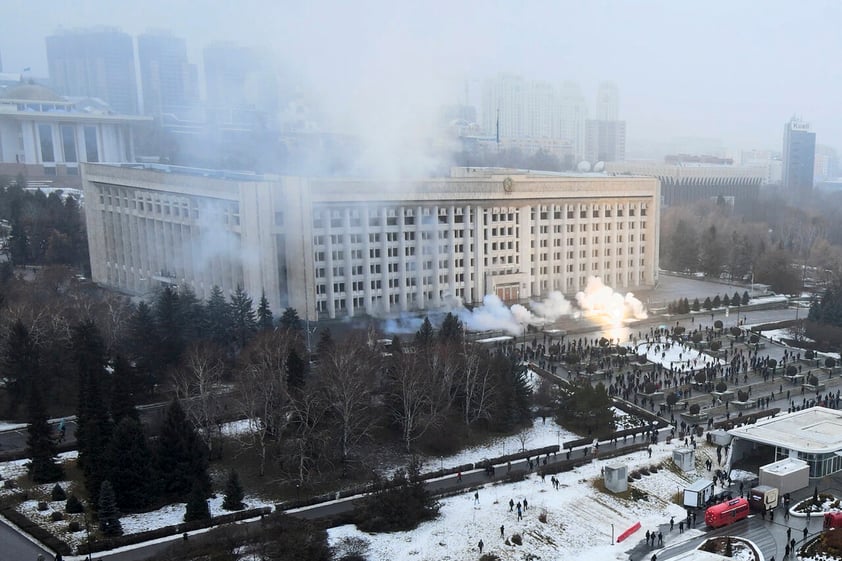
(335, 248)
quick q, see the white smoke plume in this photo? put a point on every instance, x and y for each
(553, 307)
(599, 299)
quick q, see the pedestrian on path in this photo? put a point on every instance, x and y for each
(476, 497)
(805, 533)
(672, 522)
(681, 526)
(789, 534)
(660, 538)
(502, 531)
(479, 545)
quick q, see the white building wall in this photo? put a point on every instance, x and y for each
(337, 248)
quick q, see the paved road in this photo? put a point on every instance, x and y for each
(14, 546)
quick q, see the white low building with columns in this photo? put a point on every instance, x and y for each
(335, 248)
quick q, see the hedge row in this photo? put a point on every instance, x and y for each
(131, 539)
(35, 530)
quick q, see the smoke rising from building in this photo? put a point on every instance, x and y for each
(597, 300)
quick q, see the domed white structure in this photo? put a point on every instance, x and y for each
(584, 166)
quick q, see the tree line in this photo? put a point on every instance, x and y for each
(44, 229)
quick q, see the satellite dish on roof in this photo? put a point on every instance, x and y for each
(584, 166)
(599, 166)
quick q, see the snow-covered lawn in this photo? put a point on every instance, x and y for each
(671, 353)
(579, 517)
(174, 514)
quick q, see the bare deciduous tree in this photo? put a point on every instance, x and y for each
(198, 386)
(346, 375)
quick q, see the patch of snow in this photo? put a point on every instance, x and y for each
(672, 353)
(579, 518)
(6, 425)
(174, 514)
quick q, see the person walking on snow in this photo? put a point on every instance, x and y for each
(479, 545)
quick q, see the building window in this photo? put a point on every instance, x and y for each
(45, 136)
(91, 145)
(68, 142)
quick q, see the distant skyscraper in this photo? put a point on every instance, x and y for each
(239, 77)
(96, 62)
(606, 141)
(168, 81)
(527, 109)
(608, 102)
(799, 156)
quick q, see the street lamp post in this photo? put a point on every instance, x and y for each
(612, 534)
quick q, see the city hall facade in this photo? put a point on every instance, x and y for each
(335, 248)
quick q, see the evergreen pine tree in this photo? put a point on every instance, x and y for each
(325, 344)
(726, 300)
(451, 331)
(735, 299)
(218, 317)
(109, 514)
(397, 346)
(130, 468)
(265, 320)
(93, 423)
(197, 504)
(707, 304)
(191, 314)
(745, 298)
(58, 494)
(19, 364)
(144, 345)
(717, 302)
(168, 322)
(243, 318)
(73, 505)
(685, 306)
(296, 370)
(181, 459)
(234, 494)
(290, 320)
(124, 382)
(425, 336)
(40, 446)
(696, 306)
(18, 244)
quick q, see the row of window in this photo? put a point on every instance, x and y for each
(67, 140)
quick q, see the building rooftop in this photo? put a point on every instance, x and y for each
(785, 466)
(817, 430)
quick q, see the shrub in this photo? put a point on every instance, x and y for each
(9, 484)
(753, 339)
(641, 359)
(489, 557)
(73, 505)
(694, 409)
(542, 517)
(649, 387)
(772, 363)
(56, 516)
(622, 351)
(590, 368)
(603, 342)
(700, 377)
(644, 471)
(718, 324)
(672, 399)
(74, 526)
(517, 539)
(197, 505)
(721, 386)
(697, 337)
(742, 395)
(715, 345)
(678, 330)
(812, 380)
(830, 362)
(571, 358)
(809, 355)
(653, 469)
(735, 331)
(42, 506)
(233, 493)
(791, 370)
(58, 493)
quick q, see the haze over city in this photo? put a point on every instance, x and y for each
(732, 72)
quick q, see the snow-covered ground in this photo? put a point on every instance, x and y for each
(174, 514)
(675, 355)
(579, 517)
(4, 425)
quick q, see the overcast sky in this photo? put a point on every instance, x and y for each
(731, 70)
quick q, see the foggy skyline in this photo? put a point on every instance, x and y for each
(735, 72)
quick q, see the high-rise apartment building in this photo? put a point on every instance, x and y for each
(608, 102)
(799, 155)
(97, 62)
(606, 141)
(239, 78)
(169, 82)
(517, 109)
